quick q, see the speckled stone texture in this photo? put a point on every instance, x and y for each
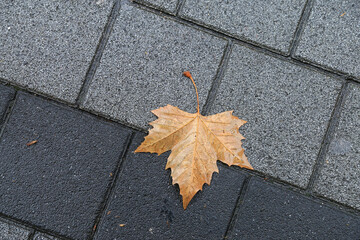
(6, 94)
(271, 212)
(332, 37)
(167, 5)
(151, 208)
(60, 182)
(47, 46)
(10, 231)
(141, 68)
(41, 236)
(340, 175)
(287, 108)
(271, 23)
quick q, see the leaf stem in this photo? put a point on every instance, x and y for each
(188, 74)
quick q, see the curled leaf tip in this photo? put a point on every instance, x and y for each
(187, 74)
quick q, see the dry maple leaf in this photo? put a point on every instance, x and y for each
(196, 143)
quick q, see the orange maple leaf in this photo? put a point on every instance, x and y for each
(196, 143)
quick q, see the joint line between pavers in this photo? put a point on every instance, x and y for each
(32, 234)
(354, 80)
(295, 188)
(112, 185)
(203, 27)
(247, 43)
(329, 134)
(239, 202)
(31, 227)
(10, 107)
(23, 88)
(318, 67)
(95, 62)
(218, 77)
(74, 106)
(301, 26)
(179, 6)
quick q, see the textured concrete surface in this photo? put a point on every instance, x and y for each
(167, 5)
(47, 46)
(270, 212)
(141, 68)
(9, 231)
(287, 108)
(340, 176)
(331, 36)
(271, 23)
(59, 182)
(41, 236)
(151, 208)
(6, 94)
(56, 188)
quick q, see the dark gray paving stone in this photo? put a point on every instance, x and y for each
(10, 231)
(6, 94)
(48, 45)
(332, 37)
(151, 208)
(270, 212)
(340, 176)
(271, 23)
(141, 68)
(59, 182)
(167, 5)
(287, 108)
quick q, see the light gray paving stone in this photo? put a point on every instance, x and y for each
(48, 45)
(332, 37)
(272, 23)
(42, 236)
(167, 5)
(340, 176)
(9, 231)
(141, 68)
(287, 108)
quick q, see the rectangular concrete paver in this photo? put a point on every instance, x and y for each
(47, 46)
(141, 68)
(271, 23)
(151, 208)
(167, 5)
(287, 107)
(271, 212)
(331, 36)
(6, 94)
(340, 175)
(60, 182)
(10, 231)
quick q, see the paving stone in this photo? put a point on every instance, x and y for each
(141, 68)
(6, 94)
(167, 5)
(58, 183)
(42, 236)
(9, 231)
(287, 108)
(340, 175)
(151, 208)
(271, 23)
(331, 36)
(270, 212)
(48, 45)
